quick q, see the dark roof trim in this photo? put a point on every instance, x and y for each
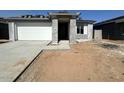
(117, 19)
(66, 13)
(1, 21)
(86, 21)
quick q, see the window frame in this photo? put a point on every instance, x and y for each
(80, 29)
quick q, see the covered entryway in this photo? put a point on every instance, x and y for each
(64, 26)
(4, 32)
(34, 31)
(63, 33)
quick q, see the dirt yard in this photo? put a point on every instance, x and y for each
(87, 61)
(115, 41)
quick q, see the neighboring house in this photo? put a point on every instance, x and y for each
(4, 34)
(55, 27)
(112, 29)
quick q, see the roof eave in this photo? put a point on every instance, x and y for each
(66, 14)
(86, 21)
(25, 19)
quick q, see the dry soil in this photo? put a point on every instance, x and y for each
(83, 62)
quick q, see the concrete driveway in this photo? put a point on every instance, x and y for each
(16, 56)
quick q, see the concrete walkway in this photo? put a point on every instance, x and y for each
(63, 45)
(16, 56)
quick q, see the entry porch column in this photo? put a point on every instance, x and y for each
(72, 33)
(54, 31)
(11, 31)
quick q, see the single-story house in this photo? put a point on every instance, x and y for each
(55, 27)
(112, 29)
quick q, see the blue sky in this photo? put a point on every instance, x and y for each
(97, 15)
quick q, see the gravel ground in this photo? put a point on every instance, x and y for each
(83, 62)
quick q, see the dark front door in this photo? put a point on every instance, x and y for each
(63, 31)
(4, 31)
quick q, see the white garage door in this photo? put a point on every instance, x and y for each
(34, 31)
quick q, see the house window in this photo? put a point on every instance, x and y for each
(80, 30)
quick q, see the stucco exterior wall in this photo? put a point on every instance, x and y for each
(81, 36)
(11, 31)
(54, 31)
(97, 35)
(34, 23)
(73, 31)
(90, 32)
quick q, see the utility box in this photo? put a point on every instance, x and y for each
(97, 35)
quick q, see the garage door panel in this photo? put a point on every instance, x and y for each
(28, 32)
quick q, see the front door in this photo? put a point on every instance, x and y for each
(63, 33)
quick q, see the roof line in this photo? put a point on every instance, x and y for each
(109, 20)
